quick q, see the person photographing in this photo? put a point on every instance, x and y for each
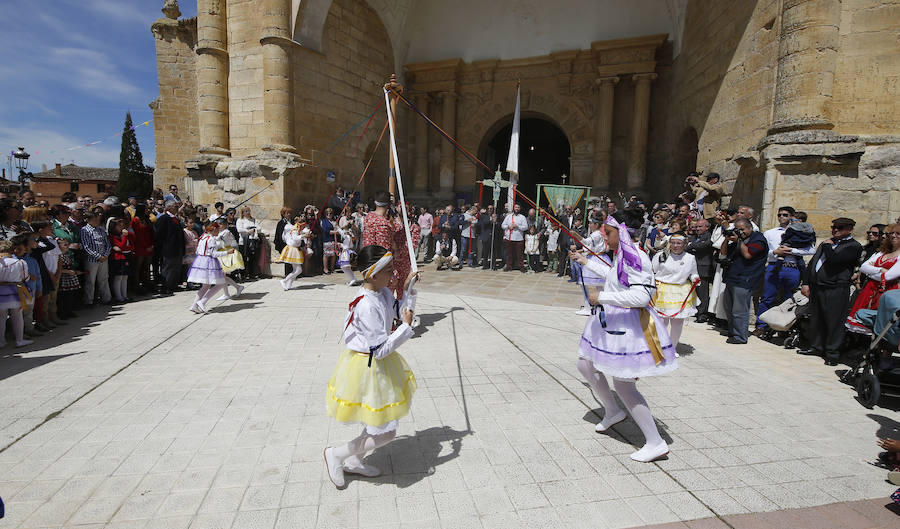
(743, 259)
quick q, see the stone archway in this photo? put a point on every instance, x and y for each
(564, 112)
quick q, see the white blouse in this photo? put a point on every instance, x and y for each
(227, 238)
(292, 238)
(615, 293)
(210, 246)
(244, 225)
(677, 269)
(373, 317)
(13, 270)
(596, 242)
(874, 272)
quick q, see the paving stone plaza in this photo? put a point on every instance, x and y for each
(154, 417)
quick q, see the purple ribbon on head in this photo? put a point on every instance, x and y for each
(627, 253)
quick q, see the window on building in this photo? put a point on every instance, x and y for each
(101, 188)
(73, 187)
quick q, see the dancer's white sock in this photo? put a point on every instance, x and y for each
(613, 413)
(365, 442)
(675, 328)
(654, 446)
(348, 272)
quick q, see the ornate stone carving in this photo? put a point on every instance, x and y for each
(170, 9)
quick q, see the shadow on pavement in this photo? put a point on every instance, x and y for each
(11, 364)
(415, 457)
(234, 307)
(251, 295)
(627, 430)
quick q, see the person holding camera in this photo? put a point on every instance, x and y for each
(708, 192)
(743, 259)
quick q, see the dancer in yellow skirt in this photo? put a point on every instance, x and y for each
(675, 299)
(231, 262)
(293, 253)
(372, 384)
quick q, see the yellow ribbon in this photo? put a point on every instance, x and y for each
(25, 297)
(648, 325)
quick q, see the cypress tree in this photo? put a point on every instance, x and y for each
(133, 178)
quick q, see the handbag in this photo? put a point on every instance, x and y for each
(782, 317)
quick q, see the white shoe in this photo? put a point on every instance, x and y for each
(195, 309)
(610, 420)
(240, 290)
(202, 307)
(284, 285)
(223, 297)
(354, 466)
(334, 469)
(649, 453)
(583, 311)
(23, 343)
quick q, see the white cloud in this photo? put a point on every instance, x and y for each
(42, 141)
(120, 10)
(92, 71)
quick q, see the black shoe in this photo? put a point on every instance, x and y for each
(808, 351)
(831, 363)
(733, 340)
(702, 318)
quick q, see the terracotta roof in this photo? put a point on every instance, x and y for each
(75, 172)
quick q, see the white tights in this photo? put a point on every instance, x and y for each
(205, 294)
(633, 400)
(228, 283)
(120, 287)
(296, 270)
(365, 442)
(675, 326)
(18, 323)
(348, 272)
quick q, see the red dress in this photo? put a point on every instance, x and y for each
(389, 234)
(143, 238)
(870, 294)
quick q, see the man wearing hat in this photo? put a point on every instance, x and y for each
(709, 192)
(827, 285)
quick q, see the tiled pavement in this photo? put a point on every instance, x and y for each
(157, 418)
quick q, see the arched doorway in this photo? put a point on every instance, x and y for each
(544, 152)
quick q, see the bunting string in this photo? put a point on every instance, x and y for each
(95, 142)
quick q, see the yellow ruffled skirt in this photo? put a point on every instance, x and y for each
(370, 395)
(290, 255)
(231, 262)
(669, 297)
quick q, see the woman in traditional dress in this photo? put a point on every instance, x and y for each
(626, 339)
(206, 270)
(372, 384)
(293, 254)
(13, 273)
(232, 262)
(380, 228)
(883, 271)
(676, 273)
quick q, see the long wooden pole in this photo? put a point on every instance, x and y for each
(395, 89)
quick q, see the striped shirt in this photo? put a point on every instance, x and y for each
(95, 242)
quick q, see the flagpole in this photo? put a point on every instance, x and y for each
(395, 89)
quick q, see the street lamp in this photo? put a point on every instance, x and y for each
(21, 158)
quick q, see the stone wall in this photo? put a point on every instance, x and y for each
(245, 77)
(867, 75)
(175, 117)
(335, 90)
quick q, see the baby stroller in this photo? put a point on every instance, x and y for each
(876, 370)
(789, 317)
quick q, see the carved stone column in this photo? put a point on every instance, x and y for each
(807, 56)
(420, 178)
(212, 77)
(637, 162)
(448, 156)
(278, 101)
(603, 135)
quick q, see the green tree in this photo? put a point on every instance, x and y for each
(133, 177)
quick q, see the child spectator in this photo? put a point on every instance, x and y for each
(190, 245)
(533, 250)
(13, 273)
(33, 284)
(50, 259)
(552, 248)
(69, 285)
(119, 259)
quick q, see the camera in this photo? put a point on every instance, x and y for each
(729, 232)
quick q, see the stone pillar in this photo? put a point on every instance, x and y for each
(420, 178)
(603, 135)
(637, 162)
(278, 101)
(448, 155)
(212, 77)
(807, 56)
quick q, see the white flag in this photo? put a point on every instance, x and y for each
(512, 161)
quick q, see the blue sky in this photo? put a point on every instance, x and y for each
(70, 69)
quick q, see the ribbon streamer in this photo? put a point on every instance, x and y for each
(393, 140)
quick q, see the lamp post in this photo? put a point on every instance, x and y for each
(21, 158)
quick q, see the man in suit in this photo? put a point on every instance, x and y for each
(567, 220)
(827, 285)
(169, 242)
(489, 234)
(701, 248)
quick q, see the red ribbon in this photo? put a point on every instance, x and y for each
(351, 308)
(683, 303)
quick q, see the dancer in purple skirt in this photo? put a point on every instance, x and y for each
(625, 338)
(206, 269)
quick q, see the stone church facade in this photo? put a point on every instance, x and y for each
(792, 101)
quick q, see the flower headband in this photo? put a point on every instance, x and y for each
(378, 266)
